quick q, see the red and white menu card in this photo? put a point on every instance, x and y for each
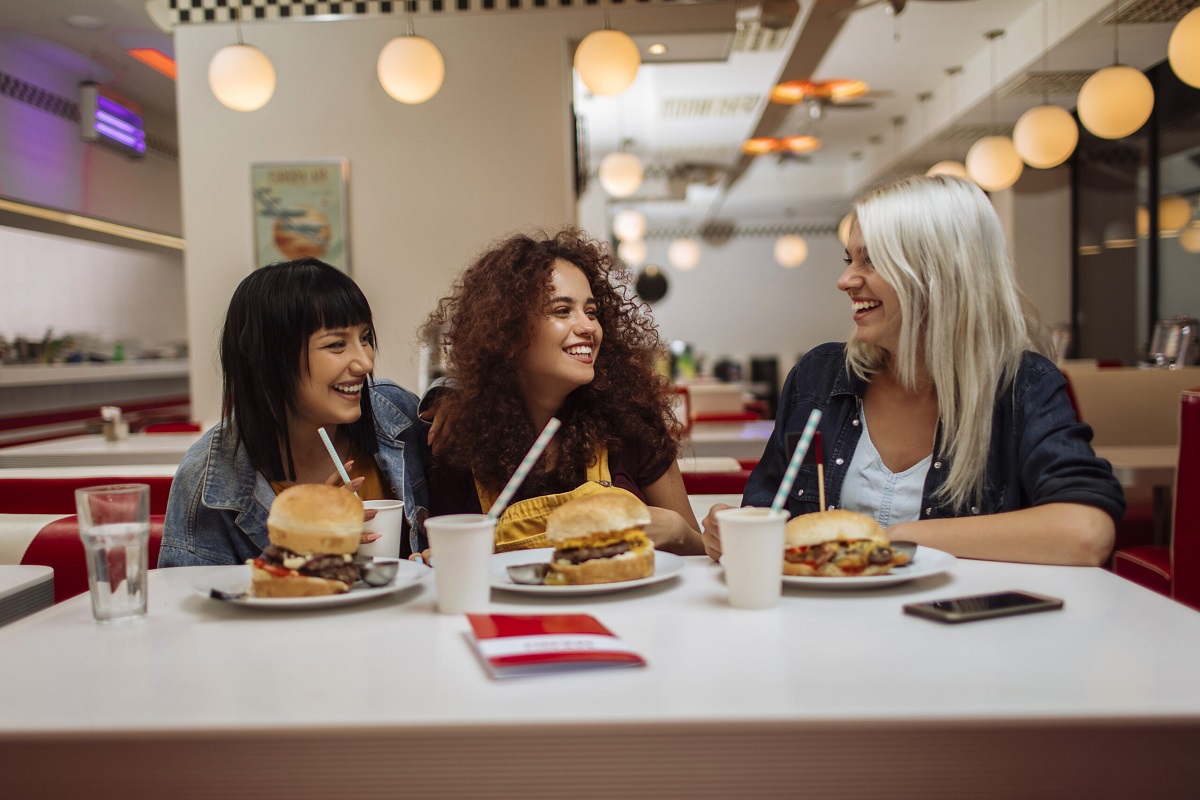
(512, 645)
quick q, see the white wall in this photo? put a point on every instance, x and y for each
(69, 285)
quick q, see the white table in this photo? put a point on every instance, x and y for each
(830, 693)
(94, 450)
(1147, 467)
(24, 590)
(733, 439)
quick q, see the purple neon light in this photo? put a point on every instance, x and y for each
(133, 142)
(117, 110)
(115, 122)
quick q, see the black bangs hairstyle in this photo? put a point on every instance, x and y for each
(271, 316)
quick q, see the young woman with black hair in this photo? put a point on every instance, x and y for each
(297, 354)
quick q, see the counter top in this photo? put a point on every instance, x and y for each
(50, 374)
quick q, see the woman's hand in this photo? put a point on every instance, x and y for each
(712, 532)
(669, 531)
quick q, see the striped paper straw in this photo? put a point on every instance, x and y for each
(337, 462)
(523, 468)
(793, 468)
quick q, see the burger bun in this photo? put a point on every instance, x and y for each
(316, 518)
(266, 584)
(607, 512)
(838, 525)
(628, 566)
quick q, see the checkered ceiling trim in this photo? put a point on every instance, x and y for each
(200, 11)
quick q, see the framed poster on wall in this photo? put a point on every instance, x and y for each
(300, 211)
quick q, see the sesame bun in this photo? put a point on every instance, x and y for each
(316, 518)
(832, 526)
(596, 514)
(265, 584)
(629, 566)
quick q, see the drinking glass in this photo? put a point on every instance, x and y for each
(114, 524)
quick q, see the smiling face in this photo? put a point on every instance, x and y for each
(875, 303)
(329, 390)
(565, 340)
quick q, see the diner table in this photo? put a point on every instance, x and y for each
(745, 440)
(1147, 467)
(831, 693)
(23, 591)
(93, 450)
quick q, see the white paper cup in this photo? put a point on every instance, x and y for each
(752, 555)
(462, 556)
(389, 520)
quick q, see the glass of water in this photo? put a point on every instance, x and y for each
(114, 524)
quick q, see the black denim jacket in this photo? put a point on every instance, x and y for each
(1039, 453)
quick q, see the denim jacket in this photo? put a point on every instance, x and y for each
(217, 511)
(1039, 452)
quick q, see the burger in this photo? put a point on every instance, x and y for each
(599, 539)
(314, 531)
(838, 544)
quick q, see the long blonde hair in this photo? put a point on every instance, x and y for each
(963, 320)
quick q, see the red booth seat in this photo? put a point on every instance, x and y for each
(716, 482)
(57, 495)
(57, 545)
(1147, 566)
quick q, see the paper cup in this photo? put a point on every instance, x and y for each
(462, 556)
(389, 520)
(752, 555)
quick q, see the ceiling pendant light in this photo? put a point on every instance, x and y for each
(791, 250)
(683, 254)
(632, 252)
(1189, 240)
(241, 77)
(955, 168)
(1115, 101)
(1045, 135)
(1174, 213)
(629, 225)
(1183, 49)
(993, 162)
(607, 61)
(621, 174)
(410, 68)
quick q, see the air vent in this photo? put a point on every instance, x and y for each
(752, 37)
(1151, 12)
(698, 154)
(710, 107)
(1043, 84)
(970, 133)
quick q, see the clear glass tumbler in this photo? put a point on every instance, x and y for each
(114, 524)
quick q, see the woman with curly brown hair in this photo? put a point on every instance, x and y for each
(536, 328)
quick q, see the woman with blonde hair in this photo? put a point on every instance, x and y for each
(939, 418)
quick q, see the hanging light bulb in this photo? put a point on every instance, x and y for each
(1183, 49)
(1189, 240)
(241, 77)
(993, 162)
(621, 174)
(607, 61)
(683, 254)
(955, 168)
(1115, 101)
(629, 224)
(1046, 135)
(791, 250)
(410, 68)
(1174, 213)
(844, 231)
(632, 252)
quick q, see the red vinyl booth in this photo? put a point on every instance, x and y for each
(58, 546)
(1175, 570)
(716, 482)
(57, 495)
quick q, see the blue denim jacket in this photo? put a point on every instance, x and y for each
(217, 511)
(1039, 453)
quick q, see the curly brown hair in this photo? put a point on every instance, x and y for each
(486, 323)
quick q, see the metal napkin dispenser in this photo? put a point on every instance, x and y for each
(1175, 343)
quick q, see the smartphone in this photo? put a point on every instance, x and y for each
(983, 606)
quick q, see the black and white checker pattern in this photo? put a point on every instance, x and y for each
(201, 11)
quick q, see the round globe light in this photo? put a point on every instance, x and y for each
(994, 163)
(1189, 240)
(683, 254)
(954, 168)
(791, 250)
(1174, 212)
(241, 77)
(607, 61)
(1045, 136)
(1115, 102)
(844, 231)
(632, 252)
(410, 69)
(1183, 49)
(621, 174)
(629, 224)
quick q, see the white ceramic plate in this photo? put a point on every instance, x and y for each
(236, 580)
(926, 562)
(666, 566)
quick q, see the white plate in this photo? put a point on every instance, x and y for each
(236, 580)
(666, 566)
(926, 562)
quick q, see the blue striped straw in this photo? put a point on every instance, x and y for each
(337, 462)
(793, 468)
(523, 468)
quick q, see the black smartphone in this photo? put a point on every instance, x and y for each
(983, 606)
